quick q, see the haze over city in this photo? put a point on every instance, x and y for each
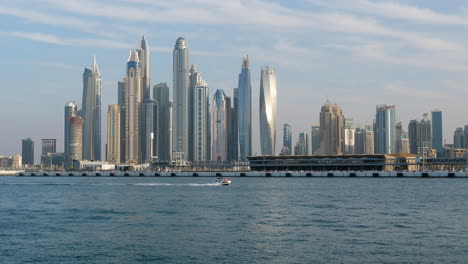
(407, 53)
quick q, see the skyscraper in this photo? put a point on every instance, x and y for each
(27, 151)
(458, 139)
(180, 108)
(150, 128)
(70, 111)
(349, 137)
(385, 136)
(133, 109)
(161, 95)
(437, 135)
(220, 124)
(360, 141)
(287, 139)
(370, 149)
(465, 137)
(399, 133)
(201, 137)
(414, 136)
(75, 144)
(315, 139)
(244, 116)
(91, 113)
(302, 144)
(268, 108)
(122, 93)
(332, 128)
(49, 145)
(144, 56)
(233, 129)
(113, 134)
(425, 133)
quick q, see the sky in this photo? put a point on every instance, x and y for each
(357, 53)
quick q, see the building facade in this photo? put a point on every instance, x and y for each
(332, 130)
(76, 137)
(315, 139)
(437, 132)
(385, 130)
(161, 95)
(113, 151)
(27, 151)
(287, 140)
(133, 109)
(151, 130)
(49, 145)
(201, 137)
(268, 108)
(220, 125)
(245, 110)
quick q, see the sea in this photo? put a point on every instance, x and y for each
(253, 220)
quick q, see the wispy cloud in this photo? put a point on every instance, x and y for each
(395, 89)
(50, 64)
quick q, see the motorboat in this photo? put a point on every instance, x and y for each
(224, 181)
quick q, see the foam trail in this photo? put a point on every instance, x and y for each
(176, 184)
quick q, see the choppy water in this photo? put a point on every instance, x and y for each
(255, 220)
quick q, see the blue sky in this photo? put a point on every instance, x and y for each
(359, 53)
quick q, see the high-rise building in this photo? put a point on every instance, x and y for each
(233, 129)
(91, 113)
(122, 93)
(161, 95)
(220, 124)
(360, 141)
(180, 106)
(425, 133)
(315, 139)
(150, 116)
(144, 56)
(287, 139)
(458, 139)
(414, 135)
(268, 108)
(385, 130)
(404, 143)
(70, 111)
(332, 128)
(49, 145)
(201, 137)
(244, 116)
(437, 135)
(27, 151)
(133, 100)
(349, 143)
(465, 137)
(399, 133)
(370, 148)
(113, 134)
(302, 145)
(75, 145)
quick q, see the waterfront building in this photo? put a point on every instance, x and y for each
(425, 133)
(27, 151)
(70, 111)
(91, 112)
(13, 162)
(332, 136)
(268, 108)
(437, 135)
(161, 95)
(150, 130)
(458, 139)
(49, 145)
(349, 142)
(133, 100)
(233, 129)
(385, 130)
(245, 110)
(53, 161)
(201, 136)
(287, 138)
(180, 108)
(113, 134)
(220, 125)
(75, 145)
(414, 133)
(121, 97)
(315, 138)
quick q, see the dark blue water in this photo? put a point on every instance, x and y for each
(255, 220)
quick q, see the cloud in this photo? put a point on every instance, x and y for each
(40, 37)
(395, 89)
(50, 64)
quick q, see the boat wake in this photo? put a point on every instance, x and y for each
(177, 184)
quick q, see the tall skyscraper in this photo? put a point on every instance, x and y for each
(268, 108)
(315, 139)
(404, 143)
(360, 141)
(113, 134)
(220, 125)
(180, 108)
(122, 93)
(332, 128)
(414, 135)
(161, 95)
(287, 139)
(370, 148)
(349, 137)
(465, 137)
(201, 137)
(91, 113)
(70, 111)
(425, 133)
(437, 134)
(150, 128)
(458, 139)
(245, 110)
(399, 133)
(133, 109)
(75, 143)
(385, 136)
(49, 145)
(233, 129)
(144, 56)
(302, 144)
(27, 151)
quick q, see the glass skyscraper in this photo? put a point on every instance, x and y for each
(437, 135)
(244, 116)
(385, 128)
(268, 108)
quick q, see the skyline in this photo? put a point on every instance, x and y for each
(55, 76)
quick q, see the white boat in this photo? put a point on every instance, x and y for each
(224, 181)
